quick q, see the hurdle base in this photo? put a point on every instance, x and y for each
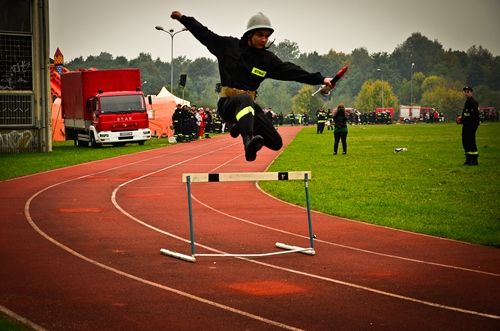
(177, 255)
(308, 250)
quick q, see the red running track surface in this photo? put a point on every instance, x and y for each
(80, 250)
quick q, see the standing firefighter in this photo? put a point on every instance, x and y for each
(177, 123)
(320, 121)
(470, 123)
(243, 65)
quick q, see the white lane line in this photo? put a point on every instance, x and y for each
(336, 281)
(327, 279)
(343, 246)
(145, 281)
(133, 277)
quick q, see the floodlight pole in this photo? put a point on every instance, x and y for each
(411, 84)
(382, 80)
(172, 35)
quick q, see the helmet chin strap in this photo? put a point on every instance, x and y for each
(269, 44)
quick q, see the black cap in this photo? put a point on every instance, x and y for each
(467, 88)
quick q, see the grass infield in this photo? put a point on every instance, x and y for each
(426, 189)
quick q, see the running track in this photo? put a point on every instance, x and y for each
(80, 250)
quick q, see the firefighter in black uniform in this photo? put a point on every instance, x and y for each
(470, 123)
(177, 123)
(243, 64)
(217, 123)
(320, 121)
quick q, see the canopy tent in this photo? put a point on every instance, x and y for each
(166, 93)
(161, 111)
(58, 133)
(160, 115)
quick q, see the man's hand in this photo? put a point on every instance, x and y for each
(328, 82)
(176, 15)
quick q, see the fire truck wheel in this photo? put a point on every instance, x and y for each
(80, 143)
(92, 142)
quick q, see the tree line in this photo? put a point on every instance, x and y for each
(419, 72)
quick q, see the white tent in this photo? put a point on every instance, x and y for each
(166, 93)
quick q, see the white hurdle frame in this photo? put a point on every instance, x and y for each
(245, 176)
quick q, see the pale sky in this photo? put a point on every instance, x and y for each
(127, 28)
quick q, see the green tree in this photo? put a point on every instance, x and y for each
(304, 102)
(444, 99)
(432, 82)
(416, 49)
(418, 79)
(370, 96)
(275, 94)
(287, 50)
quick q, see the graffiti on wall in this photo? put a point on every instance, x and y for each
(16, 141)
(17, 75)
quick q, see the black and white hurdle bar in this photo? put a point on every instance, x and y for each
(239, 177)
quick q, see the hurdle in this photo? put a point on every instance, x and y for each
(238, 177)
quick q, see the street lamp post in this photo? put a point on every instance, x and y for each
(382, 79)
(411, 84)
(172, 35)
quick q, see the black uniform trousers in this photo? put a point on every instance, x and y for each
(249, 124)
(469, 139)
(340, 136)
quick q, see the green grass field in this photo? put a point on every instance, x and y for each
(426, 189)
(65, 154)
(9, 324)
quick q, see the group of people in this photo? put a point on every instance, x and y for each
(432, 117)
(192, 123)
(244, 63)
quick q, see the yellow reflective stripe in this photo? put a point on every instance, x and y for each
(244, 111)
(258, 72)
(472, 153)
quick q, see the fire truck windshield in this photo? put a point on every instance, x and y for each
(120, 104)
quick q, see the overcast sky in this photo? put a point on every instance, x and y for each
(126, 28)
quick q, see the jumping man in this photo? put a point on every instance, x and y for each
(243, 64)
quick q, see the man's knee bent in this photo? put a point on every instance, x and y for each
(274, 144)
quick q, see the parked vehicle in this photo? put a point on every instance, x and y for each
(410, 114)
(104, 107)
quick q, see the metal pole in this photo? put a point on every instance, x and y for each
(382, 74)
(411, 84)
(308, 204)
(382, 82)
(172, 63)
(172, 34)
(190, 209)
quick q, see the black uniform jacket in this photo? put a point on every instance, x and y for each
(470, 114)
(245, 67)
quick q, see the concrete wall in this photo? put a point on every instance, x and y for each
(24, 77)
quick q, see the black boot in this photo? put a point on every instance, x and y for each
(252, 146)
(467, 159)
(473, 160)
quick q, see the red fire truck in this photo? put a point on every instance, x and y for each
(104, 107)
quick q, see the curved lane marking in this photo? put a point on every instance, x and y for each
(133, 277)
(336, 281)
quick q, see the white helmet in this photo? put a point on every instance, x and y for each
(259, 21)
